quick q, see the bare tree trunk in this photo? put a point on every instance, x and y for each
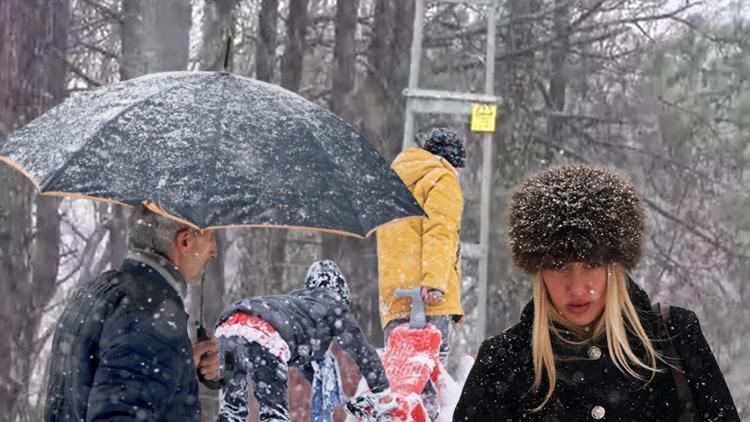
(265, 57)
(218, 23)
(17, 284)
(344, 56)
(293, 60)
(132, 63)
(33, 45)
(166, 43)
(399, 75)
(388, 74)
(558, 59)
(378, 55)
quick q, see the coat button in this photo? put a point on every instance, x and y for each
(595, 352)
(597, 412)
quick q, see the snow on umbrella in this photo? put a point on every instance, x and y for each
(212, 149)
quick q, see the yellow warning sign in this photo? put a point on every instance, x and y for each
(483, 117)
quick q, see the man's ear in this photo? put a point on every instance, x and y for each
(182, 241)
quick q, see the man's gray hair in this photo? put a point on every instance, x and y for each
(152, 232)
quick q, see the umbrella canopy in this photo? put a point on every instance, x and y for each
(212, 149)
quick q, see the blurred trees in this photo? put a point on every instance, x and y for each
(33, 42)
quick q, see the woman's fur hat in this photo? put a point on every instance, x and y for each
(575, 213)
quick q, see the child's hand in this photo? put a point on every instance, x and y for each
(373, 407)
(431, 296)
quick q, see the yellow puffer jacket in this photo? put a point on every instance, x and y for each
(423, 252)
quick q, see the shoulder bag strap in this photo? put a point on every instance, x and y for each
(684, 395)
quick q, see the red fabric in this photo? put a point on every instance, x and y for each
(250, 320)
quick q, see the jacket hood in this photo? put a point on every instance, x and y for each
(415, 163)
(326, 274)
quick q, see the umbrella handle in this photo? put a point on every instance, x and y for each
(216, 384)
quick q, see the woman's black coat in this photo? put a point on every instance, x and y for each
(499, 387)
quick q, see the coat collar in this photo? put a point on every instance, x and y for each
(164, 267)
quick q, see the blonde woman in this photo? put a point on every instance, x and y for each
(589, 346)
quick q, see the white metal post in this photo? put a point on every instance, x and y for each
(485, 193)
(414, 68)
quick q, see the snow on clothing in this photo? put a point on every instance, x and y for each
(121, 350)
(423, 252)
(308, 321)
(590, 387)
(326, 274)
(269, 376)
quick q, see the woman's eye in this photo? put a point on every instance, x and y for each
(593, 265)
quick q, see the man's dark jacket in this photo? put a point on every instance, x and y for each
(121, 351)
(590, 387)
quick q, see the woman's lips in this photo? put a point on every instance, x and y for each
(579, 308)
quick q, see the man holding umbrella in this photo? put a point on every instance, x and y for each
(121, 349)
(241, 153)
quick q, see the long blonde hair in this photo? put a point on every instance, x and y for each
(617, 305)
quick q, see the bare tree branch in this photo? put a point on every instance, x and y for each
(638, 19)
(98, 49)
(104, 11)
(81, 74)
(692, 227)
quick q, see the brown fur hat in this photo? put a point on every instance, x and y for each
(575, 213)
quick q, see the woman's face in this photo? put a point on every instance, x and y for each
(577, 291)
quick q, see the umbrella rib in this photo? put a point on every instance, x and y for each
(59, 171)
(215, 147)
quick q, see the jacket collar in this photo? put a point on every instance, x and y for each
(164, 267)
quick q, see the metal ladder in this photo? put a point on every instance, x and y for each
(423, 101)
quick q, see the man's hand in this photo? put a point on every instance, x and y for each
(206, 358)
(431, 296)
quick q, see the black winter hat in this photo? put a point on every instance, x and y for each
(575, 213)
(326, 274)
(448, 145)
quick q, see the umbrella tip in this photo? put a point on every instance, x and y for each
(226, 53)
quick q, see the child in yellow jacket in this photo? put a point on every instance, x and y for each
(426, 252)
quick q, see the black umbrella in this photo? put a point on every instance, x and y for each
(212, 149)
